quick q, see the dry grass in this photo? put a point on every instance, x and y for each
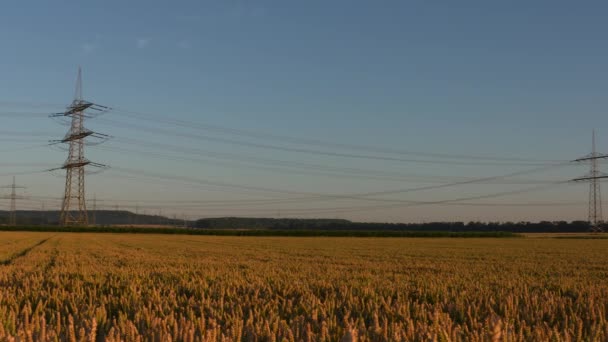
(88, 287)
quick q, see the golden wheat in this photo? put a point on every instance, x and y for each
(121, 287)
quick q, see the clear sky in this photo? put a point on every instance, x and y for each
(268, 94)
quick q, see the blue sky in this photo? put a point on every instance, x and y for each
(512, 79)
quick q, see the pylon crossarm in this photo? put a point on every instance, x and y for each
(101, 135)
(582, 179)
(99, 110)
(77, 136)
(592, 157)
(79, 108)
(82, 135)
(76, 164)
(100, 107)
(76, 108)
(98, 165)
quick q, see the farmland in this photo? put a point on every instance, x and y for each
(88, 287)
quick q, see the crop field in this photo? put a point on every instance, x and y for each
(127, 287)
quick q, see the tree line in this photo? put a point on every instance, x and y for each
(336, 224)
(127, 218)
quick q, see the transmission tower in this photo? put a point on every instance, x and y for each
(595, 195)
(94, 221)
(12, 221)
(74, 207)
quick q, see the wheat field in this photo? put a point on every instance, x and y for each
(129, 287)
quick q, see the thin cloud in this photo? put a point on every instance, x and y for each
(258, 12)
(88, 48)
(184, 44)
(91, 45)
(239, 10)
(142, 43)
(246, 10)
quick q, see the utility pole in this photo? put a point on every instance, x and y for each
(42, 214)
(136, 213)
(74, 207)
(12, 220)
(595, 195)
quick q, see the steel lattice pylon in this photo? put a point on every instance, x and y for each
(595, 193)
(12, 219)
(74, 206)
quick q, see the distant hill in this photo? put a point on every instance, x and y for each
(100, 217)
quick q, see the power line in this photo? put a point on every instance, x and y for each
(249, 144)
(30, 104)
(326, 210)
(23, 173)
(23, 148)
(22, 115)
(368, 196)
(312, 142)
(276, 137)
(77, 136)
(286, 167)
(406, 204)
(296, 140)
(237, 208)
(241, 202)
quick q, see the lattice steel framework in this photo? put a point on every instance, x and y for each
(595, 194)
(74, 206)
(12, 220)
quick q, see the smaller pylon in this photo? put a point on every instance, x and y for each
(135, 219)
(595, 194)
(12, 220)
(94, 217)
(43, 219)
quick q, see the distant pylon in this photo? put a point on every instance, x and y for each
(12, 220)
(94, 220)
(136, 213)
(595, 195)
(74, 207)
(42, 214)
